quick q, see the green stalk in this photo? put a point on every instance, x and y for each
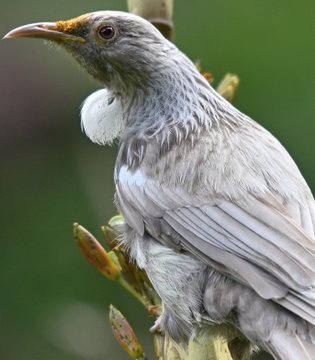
(122, 282)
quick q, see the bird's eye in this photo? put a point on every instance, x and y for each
(106, 32)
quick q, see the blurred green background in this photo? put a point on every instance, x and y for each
(53, 305)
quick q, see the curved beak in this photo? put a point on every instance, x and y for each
(45, 30)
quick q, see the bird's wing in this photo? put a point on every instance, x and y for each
(253, 240)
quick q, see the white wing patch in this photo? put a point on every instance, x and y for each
(102, 117)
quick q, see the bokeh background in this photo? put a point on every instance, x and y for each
(53, 305)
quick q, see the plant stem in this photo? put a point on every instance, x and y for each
(158, 12)
(122, 282)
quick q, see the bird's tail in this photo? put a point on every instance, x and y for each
(290, 347)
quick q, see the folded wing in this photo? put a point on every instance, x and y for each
(266, 246)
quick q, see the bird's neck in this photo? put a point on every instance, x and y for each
(176, 105)
(177, 95)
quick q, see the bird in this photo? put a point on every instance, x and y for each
(217, 212)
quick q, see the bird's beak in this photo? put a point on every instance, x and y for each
(46, 30)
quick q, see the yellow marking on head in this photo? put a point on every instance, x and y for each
(73, 25)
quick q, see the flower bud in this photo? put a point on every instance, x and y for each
(106, 263)
(125, 335)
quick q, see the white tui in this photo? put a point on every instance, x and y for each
(217, 212)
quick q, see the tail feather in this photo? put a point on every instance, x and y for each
(302, 305)
(299, 308)
(284, 347)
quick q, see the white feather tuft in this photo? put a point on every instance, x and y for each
(102, 117)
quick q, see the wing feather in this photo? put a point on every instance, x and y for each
(230, 264)
(298, 306)
(256, 241)
(306, 219)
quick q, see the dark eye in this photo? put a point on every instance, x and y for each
(107, 32)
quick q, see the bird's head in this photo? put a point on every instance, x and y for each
(116, 48)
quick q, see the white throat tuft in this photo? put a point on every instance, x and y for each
(102, 117)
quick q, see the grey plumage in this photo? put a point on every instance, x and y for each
(219, 215)
(210, 184)
(216, 210)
